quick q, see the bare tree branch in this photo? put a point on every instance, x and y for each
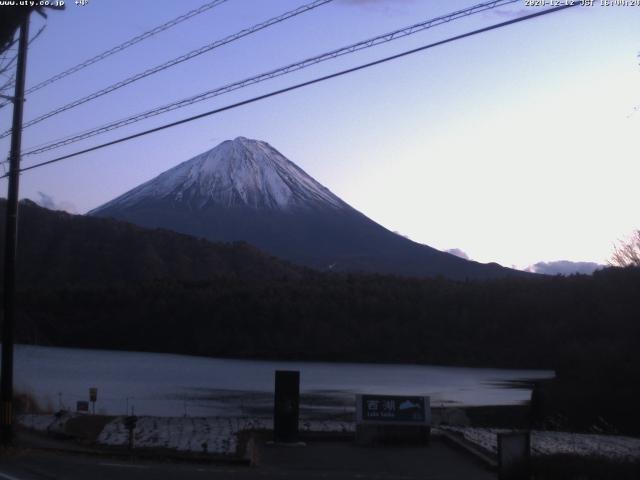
(627, 252)
(6, 67)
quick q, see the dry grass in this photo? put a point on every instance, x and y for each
(25, 402)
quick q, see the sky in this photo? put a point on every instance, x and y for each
(517, 146)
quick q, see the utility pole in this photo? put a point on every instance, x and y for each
(11, 240)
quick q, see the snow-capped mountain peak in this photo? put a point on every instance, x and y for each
(245, 190)
(239, 172)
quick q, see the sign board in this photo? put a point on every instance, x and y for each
(82, 406)
(93, 394)
(393, 410)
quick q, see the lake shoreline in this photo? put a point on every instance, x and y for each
(169, 385)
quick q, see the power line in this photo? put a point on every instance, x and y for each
(175, 61)
(125, 45)
(301, 85)
(11, 83)
(380, 39)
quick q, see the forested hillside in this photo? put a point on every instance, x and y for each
(96, 283)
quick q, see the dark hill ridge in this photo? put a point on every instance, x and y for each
(100, 283)
(57, 248)
(247, 190)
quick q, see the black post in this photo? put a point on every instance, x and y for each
(514, 455)
(11, 240)
(130, 424)
(286, 406)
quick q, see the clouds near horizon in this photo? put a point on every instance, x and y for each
(386, 6)
(47, 201)
(564, 267)
(375, 2)
(557, 267)
(508, 14)
(458, 253)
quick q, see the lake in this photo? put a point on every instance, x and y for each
(175, 385)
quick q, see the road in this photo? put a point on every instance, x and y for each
(339, 461)
(39, 465)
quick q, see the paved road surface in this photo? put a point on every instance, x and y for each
(339, 461)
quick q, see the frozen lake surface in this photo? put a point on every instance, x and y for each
(174, 385)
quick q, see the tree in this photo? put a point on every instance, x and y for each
(627, 253)
(9, 23)
(7, 77)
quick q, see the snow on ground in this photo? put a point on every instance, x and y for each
(220, 434)
(187, 434)
(554, 443)
(191, 434)
(36, 422)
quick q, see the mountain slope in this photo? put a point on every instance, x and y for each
(58, 249)
(246, 190)
(239, 173)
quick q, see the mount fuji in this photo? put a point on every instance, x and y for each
(245, 190)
